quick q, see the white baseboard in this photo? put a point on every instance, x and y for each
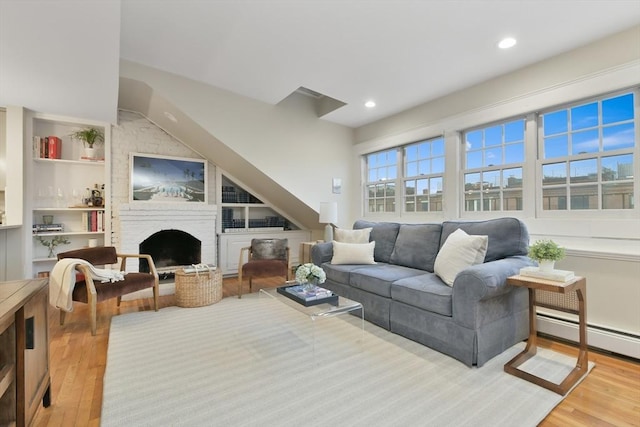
(606, 340)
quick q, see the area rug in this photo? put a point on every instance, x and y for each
(257, 362)
(165, 288)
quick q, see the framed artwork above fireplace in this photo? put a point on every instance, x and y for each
(160, 179)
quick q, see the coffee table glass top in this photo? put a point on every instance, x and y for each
(344, 305)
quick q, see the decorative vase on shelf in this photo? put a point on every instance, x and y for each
(546, 264)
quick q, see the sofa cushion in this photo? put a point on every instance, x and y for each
(426, 291)
(507, 236)
(417, 246)
(384, 234)
(378, 278)
(352, 236)
(460, 251)
(339, 272)
(353, 253)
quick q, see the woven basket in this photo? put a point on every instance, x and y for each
(198, 289)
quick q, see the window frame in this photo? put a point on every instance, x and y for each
(634, 151)
(431, 199)
(500, 169)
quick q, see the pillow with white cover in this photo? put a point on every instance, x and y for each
(459, 251)
(352, 236)
(353, 253)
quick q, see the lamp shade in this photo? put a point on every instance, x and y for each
(328, 212)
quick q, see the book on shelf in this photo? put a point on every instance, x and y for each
(55, 147)
(48, 147)
(93, 221)
(47, 228)
(554, 275)
(92, 159)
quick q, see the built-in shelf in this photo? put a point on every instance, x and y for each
(64, 189)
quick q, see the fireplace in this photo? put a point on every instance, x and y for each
(170, 249)
(187, 229)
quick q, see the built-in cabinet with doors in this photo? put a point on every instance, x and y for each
(11, 192)
(244, 216)
(67, 203)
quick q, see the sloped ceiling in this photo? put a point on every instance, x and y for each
(139, 97)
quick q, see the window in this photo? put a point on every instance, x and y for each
(587, 155)
(423, 172)
(382, 172)
(493, 167)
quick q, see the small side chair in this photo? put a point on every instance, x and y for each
(264, 258)
(89, 292)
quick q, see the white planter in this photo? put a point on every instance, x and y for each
(546, 265)
(91, 153)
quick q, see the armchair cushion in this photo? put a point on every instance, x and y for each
(263, 249)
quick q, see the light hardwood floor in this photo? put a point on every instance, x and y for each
(609, 396)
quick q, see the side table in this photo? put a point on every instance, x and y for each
(305, 251)
(558, 296)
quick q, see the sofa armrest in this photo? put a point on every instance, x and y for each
(483, 282)
(321, 253)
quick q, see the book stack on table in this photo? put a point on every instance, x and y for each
(555, 275)
(315, 296)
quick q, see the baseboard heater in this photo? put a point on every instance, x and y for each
(609, 340)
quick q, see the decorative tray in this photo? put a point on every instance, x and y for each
(315, 296)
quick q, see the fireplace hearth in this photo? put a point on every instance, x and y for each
(188, 232)
(170, 250)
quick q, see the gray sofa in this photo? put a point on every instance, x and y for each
(474, 320)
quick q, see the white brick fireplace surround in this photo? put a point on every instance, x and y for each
(138, 221)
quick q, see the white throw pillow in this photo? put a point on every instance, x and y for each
(352, 236)
(353, 253)
(459, 251)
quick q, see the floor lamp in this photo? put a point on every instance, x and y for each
(329, 216)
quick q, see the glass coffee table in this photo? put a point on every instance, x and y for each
(318, 311)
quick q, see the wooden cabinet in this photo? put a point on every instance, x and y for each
(24, 350)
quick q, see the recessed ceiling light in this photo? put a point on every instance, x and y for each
(170, 116)
(370, 104)
(507, 42)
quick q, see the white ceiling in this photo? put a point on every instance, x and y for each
(396, 52)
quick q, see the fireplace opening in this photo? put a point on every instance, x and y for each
(170, 250)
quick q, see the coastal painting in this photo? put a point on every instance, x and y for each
(157, 178)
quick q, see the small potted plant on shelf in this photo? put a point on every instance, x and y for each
(546, 253)
(51, 244)
(90, 137)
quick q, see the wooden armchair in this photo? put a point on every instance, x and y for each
(264, 258)
(87, 291)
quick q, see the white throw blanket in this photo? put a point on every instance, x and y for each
(63, 279)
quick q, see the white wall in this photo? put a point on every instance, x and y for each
(61, 57)
(288, 142)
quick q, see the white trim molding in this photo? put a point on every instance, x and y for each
(624, 344)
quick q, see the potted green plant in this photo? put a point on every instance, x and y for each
(546, 253)
(53, 243)
(89, 137)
